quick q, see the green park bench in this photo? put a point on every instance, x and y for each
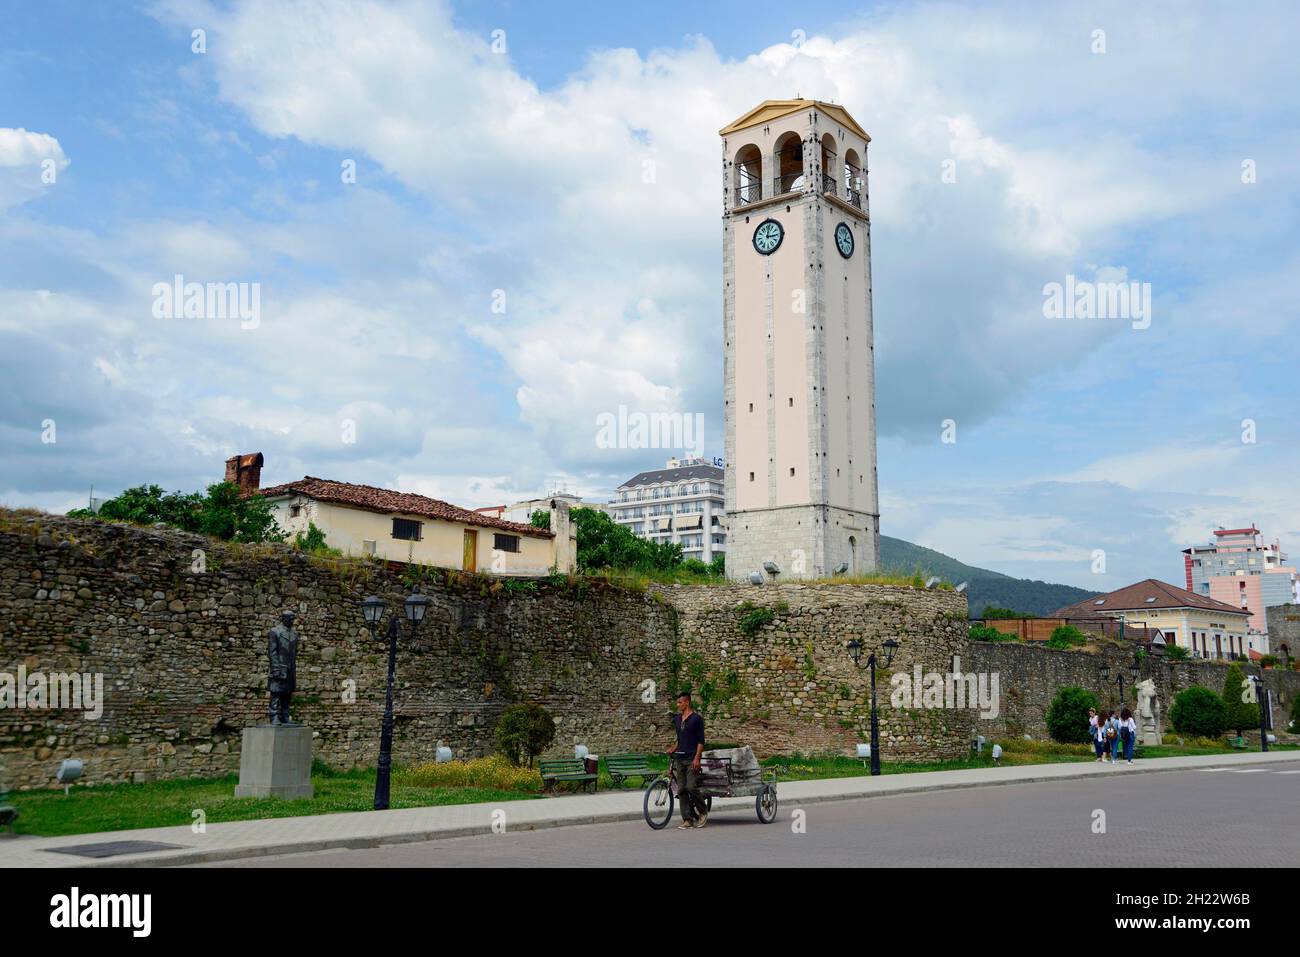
(8, 813)
(565, 769)
(1239, 743)
(624, 766)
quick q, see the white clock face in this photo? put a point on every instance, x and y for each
(844, 240)
(768, 236)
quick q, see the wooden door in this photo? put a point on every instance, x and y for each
(471, 550)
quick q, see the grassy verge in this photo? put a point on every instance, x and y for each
(113, 807)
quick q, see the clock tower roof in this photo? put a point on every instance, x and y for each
(770, 110)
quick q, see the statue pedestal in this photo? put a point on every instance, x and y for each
(275, 761)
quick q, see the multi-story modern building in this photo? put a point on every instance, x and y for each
(680, 503)
(1239, 568)
(799, 380)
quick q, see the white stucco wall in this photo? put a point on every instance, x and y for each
(441, 544)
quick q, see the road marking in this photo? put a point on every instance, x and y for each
(1248, 770)
(1286, 772)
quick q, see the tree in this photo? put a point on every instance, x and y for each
(603, 543)
(1067, 715)
(222, 512)
(524, 729)
(228, 515)
(1198, 712)
(993, 611)
(1240, 713)
(148, 505)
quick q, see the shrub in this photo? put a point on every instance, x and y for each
(754, 617)
(1067, 716)
(980, 632)
(1239, 712)
(313, 542)
(1066, 636)
(1295, 712)
(524, 729)
(1198, 711)
(1176, 653)
(493, 772)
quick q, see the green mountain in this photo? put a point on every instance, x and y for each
(984, 587)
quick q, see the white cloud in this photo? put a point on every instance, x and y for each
(29, 164)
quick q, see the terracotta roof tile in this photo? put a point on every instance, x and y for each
(388, 501)
(1135, 598)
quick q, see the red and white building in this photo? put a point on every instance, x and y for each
(1241, 569)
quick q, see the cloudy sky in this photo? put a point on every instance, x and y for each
(503, 269)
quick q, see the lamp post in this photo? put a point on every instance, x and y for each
(1134, 670)
(1261, 697)
(373, 610)
(855, 652)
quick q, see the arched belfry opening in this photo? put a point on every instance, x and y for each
(748, 175)
(829, 165)
(853, 178)
(789, 164)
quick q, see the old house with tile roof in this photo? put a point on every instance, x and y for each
(407, 527)
(1207, 628)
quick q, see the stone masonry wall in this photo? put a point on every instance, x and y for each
(176, 625)
(183, 653)
(795, 687)
(1030, 676)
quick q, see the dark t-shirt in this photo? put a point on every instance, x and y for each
(689, 733)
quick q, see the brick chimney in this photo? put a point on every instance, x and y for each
(245, 471)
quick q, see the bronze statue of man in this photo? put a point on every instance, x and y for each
(282, 651)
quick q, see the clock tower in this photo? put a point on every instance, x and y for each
(801, 493)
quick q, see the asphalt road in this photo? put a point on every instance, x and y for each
(1239, 817)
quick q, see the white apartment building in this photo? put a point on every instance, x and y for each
(681, 503)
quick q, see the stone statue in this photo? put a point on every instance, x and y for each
(1148, 712)
(282, 652)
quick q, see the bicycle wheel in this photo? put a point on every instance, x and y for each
(658, 804)
(765, 804)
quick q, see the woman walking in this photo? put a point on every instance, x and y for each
(1099, 738)
(1092, 731)
(1128, 731)
(1112, 736)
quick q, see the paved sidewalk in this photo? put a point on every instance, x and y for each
(243, 839)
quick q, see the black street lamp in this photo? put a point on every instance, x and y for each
(1134, 670)
(373, 610)
(1261, 696)
(855, 652)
